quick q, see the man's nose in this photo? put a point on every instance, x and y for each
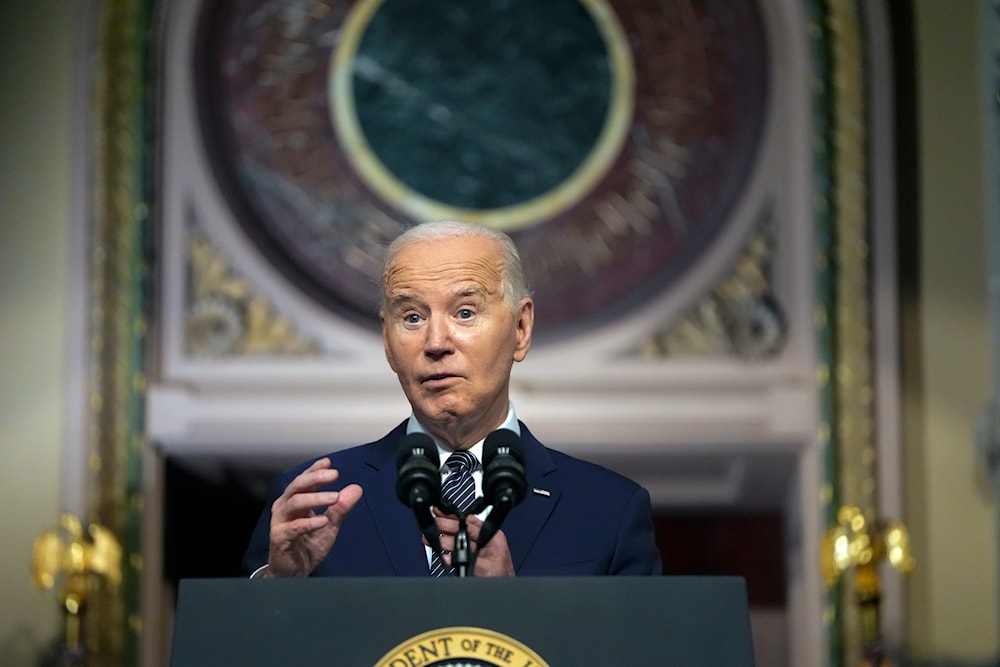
(438, 340)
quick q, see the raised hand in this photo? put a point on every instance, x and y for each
(305, 521)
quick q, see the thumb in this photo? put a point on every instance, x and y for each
(346, 501)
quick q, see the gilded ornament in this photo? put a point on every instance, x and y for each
(226, 317)
(81, 559)
(857, 545)
(738, 317)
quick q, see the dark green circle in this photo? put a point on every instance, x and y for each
(481, 104)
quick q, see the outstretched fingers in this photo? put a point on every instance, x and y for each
(305, 520)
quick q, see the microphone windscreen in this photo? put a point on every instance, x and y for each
(419, 475)
(417, 444)
(502, 441)
(503, 467)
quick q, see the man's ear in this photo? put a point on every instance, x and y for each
(523, 327)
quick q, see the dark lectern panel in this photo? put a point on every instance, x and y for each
(568, 622)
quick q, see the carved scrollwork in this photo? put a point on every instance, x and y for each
(226, 318)
(739, 317)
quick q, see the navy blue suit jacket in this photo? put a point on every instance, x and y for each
(578, 518)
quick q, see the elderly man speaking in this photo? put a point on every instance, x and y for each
(456, 314)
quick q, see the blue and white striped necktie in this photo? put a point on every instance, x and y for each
(460, 489)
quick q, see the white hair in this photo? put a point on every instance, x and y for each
(513, 281)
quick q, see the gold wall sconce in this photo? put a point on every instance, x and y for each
(858, 545)
(80, 560)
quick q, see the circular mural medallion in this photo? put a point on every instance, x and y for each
(610, 138)
(448, 136)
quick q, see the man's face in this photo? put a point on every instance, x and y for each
(450, 335)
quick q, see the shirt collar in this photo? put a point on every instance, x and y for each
(510, 423)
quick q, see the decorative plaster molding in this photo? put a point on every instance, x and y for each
(227, 318)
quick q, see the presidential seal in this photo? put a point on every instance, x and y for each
(461, 647)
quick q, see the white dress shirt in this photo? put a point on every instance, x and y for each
(414, 426)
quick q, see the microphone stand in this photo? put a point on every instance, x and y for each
(462, 557)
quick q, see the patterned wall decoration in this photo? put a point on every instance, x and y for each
(843, 315)
(119, 272)
(610, 138)
(739, 317)
(227, 317)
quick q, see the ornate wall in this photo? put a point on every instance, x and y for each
(690, 185)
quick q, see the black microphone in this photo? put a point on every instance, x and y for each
(418, 483)
(504, 480)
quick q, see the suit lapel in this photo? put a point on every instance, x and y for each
(525, 521)
(393, 520)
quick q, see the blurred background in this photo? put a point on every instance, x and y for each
(943, 80)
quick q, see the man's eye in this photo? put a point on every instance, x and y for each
(411, 318)
(465, 313)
